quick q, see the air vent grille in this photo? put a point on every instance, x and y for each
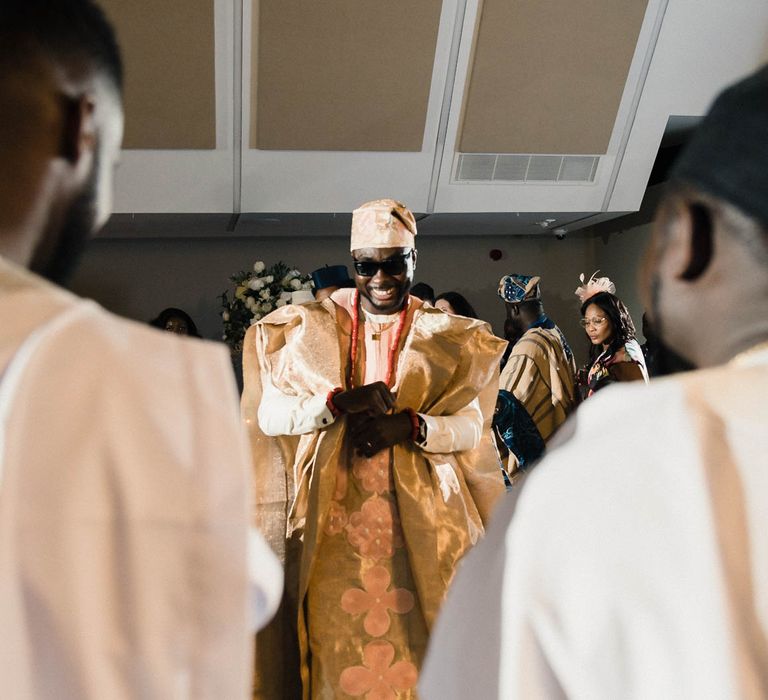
(512, 167)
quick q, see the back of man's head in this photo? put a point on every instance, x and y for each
(424, 292)
(709, 254)
(60, 129)
(728, 153)
(73, 34)
(532, 308)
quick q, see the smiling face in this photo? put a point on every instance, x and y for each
(385, 289)
(597, 325)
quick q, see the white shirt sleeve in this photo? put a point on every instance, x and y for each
(456, 433)
(280, 414)
(265, 578)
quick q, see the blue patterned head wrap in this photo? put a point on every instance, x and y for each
(517, 288)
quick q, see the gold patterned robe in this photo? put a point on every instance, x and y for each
(542, 377)
(370, 546)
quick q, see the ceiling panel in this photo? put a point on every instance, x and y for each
(168, 50)
(548, 75)
(342, 76)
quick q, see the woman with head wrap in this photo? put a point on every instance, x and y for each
(614, 353)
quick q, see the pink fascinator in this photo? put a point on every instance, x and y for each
(593, 286)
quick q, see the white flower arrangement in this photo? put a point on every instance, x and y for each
(255, 294)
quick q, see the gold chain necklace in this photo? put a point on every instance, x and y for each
(379, 328)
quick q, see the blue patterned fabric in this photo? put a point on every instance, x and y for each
(512, 288)
(517, 430)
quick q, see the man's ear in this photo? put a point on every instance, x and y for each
(701, 240)
(689, 239)
(78, 133)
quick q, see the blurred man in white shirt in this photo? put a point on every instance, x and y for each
(124, 475)
(636, 563)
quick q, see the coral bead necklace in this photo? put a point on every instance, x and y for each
(353, 353)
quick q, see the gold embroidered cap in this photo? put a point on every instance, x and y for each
(382, 223)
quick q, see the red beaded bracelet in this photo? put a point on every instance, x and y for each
(332, 407)
(414, 423)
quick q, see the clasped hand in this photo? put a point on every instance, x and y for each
(373, 429)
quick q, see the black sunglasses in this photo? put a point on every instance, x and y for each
(390, 266)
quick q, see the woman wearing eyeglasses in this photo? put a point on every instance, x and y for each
(614, 353)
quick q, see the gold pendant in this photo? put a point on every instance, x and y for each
(376, 336)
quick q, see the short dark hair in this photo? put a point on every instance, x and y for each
(530, 307)
(533, 307)
(618, 315)
(172, 312)
(65, 30)
(459, 304)
(424, 292)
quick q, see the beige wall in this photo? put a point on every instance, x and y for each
(619, 255)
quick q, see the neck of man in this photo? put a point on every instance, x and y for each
(16, 246)
(367, 307)
(25, 225)
(741, 310)
(529, 319)
(735, 343)
(382, 314)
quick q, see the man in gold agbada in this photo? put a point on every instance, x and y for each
(369, 415)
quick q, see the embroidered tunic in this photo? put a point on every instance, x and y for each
(377, 555)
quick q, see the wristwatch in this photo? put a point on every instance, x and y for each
(421, 437)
